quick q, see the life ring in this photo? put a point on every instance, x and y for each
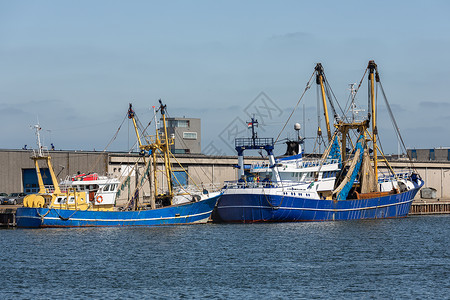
(99, 199)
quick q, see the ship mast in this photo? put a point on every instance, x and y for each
(165, 150)
(372, 69)
(132, 116)
(157, 144)
(155, 178)
(39, 154)
(319, 81)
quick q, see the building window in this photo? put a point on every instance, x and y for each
(190, 135)
(183, 123)
(181, 151)
(178, 123)
(432, 156)
(414, 154)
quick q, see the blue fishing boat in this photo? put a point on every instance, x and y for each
(40, 217)
(341, 184)
(86, 200)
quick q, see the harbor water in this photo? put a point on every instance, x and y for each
(394, 259)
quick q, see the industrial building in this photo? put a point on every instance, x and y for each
(434, 154)
(18, 172)
(186, 133)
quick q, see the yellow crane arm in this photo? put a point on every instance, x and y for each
(131, 115)
(319, 70)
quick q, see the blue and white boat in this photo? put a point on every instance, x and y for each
(340, 185)
(41, 217)
(90, 200)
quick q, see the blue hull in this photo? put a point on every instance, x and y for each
(197, 212)
(250, 208)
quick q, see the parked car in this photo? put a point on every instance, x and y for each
(13, 198)
(2, 195)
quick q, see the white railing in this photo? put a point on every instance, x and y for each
(43, 152)
(198, 189)
(260, 166)
(263, 184)
(49, 188)
(318, 162)
(302, 164)
(384, 176)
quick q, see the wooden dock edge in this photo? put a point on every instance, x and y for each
(7, 217)
(430, 207)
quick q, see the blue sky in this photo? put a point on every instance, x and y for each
(75, 65)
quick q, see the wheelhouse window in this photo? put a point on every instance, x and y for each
(309, 176)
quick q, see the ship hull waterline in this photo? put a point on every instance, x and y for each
(190, 213)
(257, 207)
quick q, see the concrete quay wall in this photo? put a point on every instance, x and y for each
(436, 174)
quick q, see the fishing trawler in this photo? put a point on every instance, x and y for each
(87, 200)
(342, 184)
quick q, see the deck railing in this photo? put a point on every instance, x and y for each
(303, 164)
(249, 142)
(43, 152)
(262, 184)
(384, 176)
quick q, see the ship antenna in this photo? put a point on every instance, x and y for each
(37, 129)
(253, 123)
(353, 107)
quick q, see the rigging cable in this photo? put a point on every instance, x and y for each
(394, 123)
(208, 176)
(104, 150)
(330, 93)
(308, 85)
